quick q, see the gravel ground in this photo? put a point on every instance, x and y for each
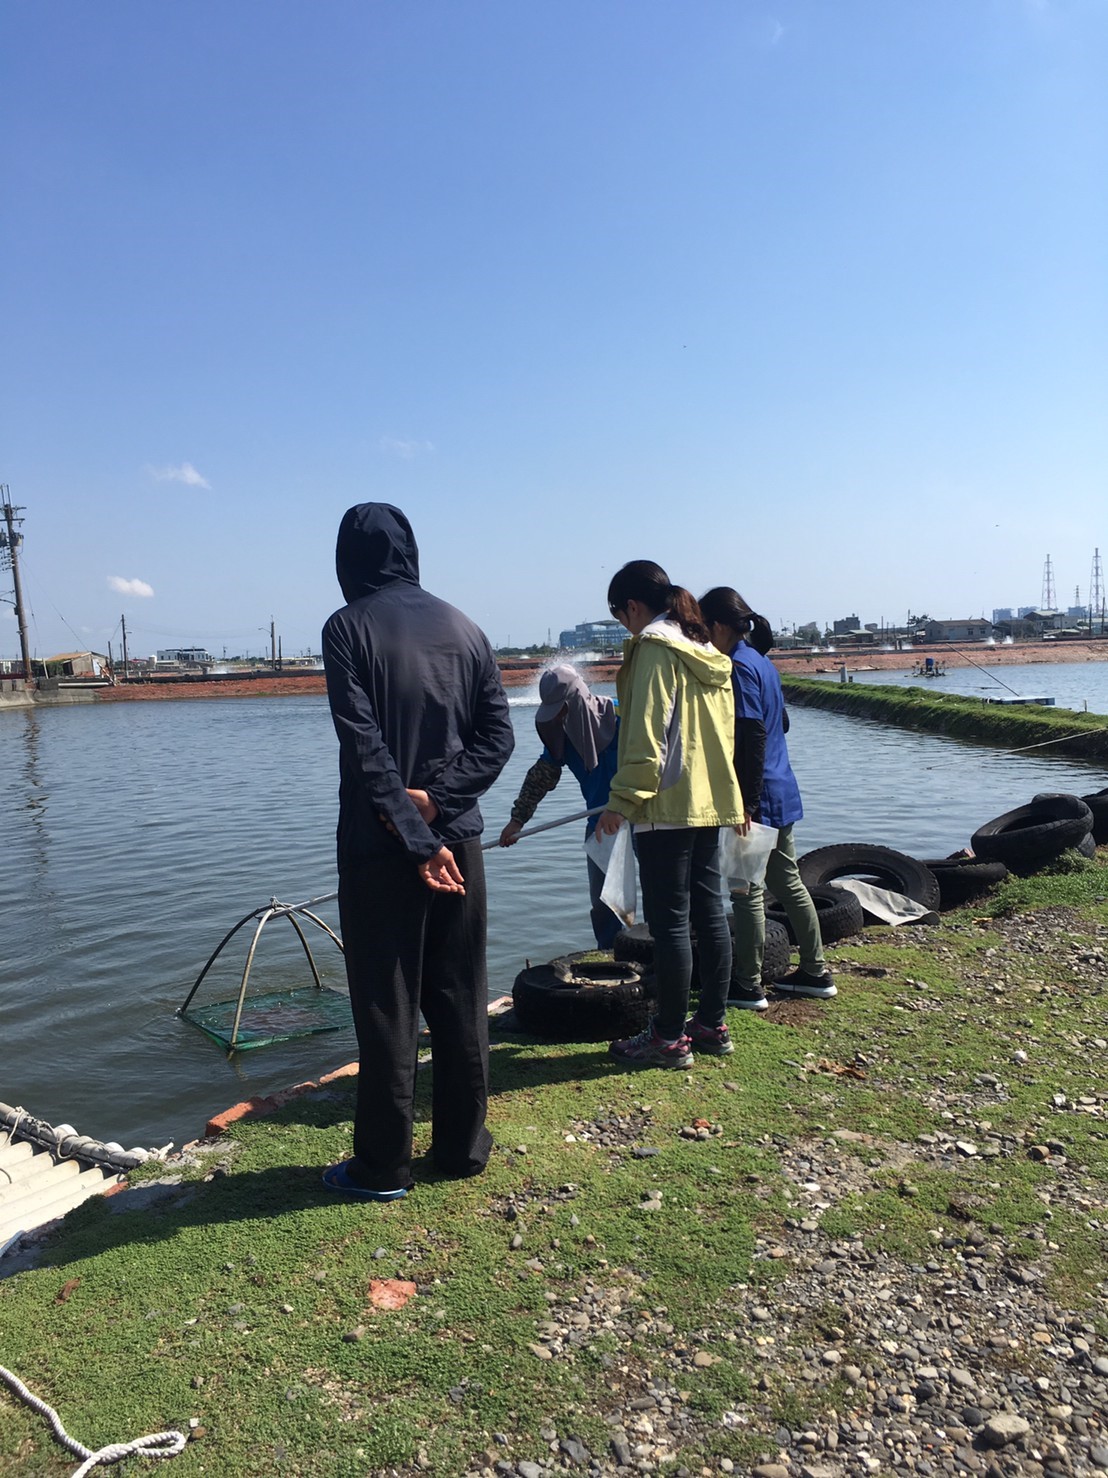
(960, 1363)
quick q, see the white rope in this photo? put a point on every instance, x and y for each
(1043, 744)
(158, 1444)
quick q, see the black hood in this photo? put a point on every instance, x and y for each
(375, 547)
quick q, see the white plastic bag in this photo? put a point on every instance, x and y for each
(742, 860)
(615, 856)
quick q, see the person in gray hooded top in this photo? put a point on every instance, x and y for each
(424, 730)
(580, 732)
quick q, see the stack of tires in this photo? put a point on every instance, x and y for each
(1029, 837)
(883, 867)
(583, 998)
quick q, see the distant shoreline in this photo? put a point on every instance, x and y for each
(518, 673)
(968, 655)
(298, 685)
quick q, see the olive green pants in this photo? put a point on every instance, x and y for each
(783, 881)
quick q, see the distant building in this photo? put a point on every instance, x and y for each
(1026, 611)
(974, 628)
(185, 656)
(846, 626)
(76, 664)
(809, 632)
(594, 636)
(1002, 613)
(1042, 621)
(1077, 613)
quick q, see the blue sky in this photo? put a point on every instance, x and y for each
(806, 298)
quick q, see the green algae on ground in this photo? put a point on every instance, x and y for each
(241, 1301)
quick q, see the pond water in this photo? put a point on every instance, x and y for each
(1071, 684)
(136, 834)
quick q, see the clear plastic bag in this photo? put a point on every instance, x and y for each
(743, 859)
(615, 856)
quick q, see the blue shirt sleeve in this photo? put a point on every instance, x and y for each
(749, 699)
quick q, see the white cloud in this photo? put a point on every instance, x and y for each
(130, 587)
(405, 449)
(186, 473)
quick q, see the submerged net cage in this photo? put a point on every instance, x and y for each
(275, 1015)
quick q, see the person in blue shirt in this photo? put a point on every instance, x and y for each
(772, 797)
(579, 732)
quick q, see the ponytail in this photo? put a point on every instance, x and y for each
(761, 634)
(727, 607)
(645, 581)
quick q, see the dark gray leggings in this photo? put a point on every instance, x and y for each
(681, 891)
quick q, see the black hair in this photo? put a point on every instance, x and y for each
(727, 606)
(647, 582)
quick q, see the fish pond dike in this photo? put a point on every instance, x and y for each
(137, 834)
(961, 716)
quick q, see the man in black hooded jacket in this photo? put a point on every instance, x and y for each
(424, 730)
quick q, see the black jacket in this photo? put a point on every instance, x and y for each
(415, 695)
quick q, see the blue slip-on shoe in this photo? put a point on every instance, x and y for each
(337, 1178)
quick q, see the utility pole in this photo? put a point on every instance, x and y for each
(273, 644)
(1096, 593)
(280, 656)
(1048, 600)
(123, 623)
(10, 543)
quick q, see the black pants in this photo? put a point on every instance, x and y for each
(682, 891)
(409, 949)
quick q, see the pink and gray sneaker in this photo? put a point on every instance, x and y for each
(715, 1040)
(651, 1050)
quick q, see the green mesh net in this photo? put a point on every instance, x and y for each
(277, 1016)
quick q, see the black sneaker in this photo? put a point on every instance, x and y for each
(800, 983)
(747, 999)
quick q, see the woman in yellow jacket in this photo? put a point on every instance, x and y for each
(675, 784)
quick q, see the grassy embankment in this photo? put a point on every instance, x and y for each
(241, 1300)
(961, 717)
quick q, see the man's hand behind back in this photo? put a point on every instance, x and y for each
(441, 873)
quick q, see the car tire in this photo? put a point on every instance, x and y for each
(883, 866)
(1098, 805)
(1029, 836)
(839, 913)
(964, 878)
(578, 999)
(775, 959)
(634, 946)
